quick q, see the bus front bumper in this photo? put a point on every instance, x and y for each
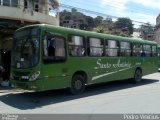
(24, 85)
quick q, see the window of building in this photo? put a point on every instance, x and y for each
(112, 48)
(36, 5)
(147, 50)
(154, 51)
(76, 46)
(137, 50)
(54, 49)
(6, 2)
(25, 4)
(14, 3)
(125, 49)
(95, 47)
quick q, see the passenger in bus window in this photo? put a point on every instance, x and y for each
(80, 51)
(73, 51)
(51, 48)
(142, 53)
(83, 51)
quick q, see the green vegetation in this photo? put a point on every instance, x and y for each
(98, 23)
(124, 23)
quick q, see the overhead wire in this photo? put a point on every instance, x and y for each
(116, 4)
(98, 13)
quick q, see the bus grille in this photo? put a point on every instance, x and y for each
(17, 73)
(21, 85)
(20, 79)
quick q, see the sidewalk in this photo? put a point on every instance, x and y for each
(6, 89)
(9, 89)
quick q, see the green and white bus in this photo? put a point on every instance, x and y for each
(46, 57)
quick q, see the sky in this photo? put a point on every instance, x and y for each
(137, 10)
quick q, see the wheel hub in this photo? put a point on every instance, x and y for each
(78, 84)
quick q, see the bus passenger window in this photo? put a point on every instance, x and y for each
(51, 47)
(154, 51)
(76, 46)
(112, 48)
(137, 50)
(125, 50)
(95, 47)
(54, 49)
(147, 50)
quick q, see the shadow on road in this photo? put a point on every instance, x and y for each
(24, 101)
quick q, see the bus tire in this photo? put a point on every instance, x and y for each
(137, 76)
(77, 84)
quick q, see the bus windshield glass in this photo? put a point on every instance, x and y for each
(25, 51)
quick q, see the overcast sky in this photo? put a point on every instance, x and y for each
(137, 10)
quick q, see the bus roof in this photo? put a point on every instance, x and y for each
(90, 33)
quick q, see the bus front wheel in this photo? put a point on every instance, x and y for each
(137, 76)
(77, 84)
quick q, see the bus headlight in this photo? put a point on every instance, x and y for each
(34, 76)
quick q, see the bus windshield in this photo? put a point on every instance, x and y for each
(25, 51)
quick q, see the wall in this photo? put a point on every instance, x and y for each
(26, 15)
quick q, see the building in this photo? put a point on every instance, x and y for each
(147, 32)
(71, 23)
(157, 30)
(17, 13)
(136, 33)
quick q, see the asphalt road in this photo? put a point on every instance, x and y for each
(113, 97)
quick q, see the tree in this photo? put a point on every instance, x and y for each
(98, 21)
(124, 23)
(64, 15)
(101, 29)
(74, 10)
(90, 21)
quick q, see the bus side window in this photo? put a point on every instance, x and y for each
(125, 49)
(96, 47)
(49, 47)
(112, 48)
(137, 50)
(147, 50)
(154, 51)
(54, 49)
(76, 46)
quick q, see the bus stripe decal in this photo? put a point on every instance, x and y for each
(103, 75)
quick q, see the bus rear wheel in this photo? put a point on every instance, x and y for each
(137, 76)
(77, 84)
